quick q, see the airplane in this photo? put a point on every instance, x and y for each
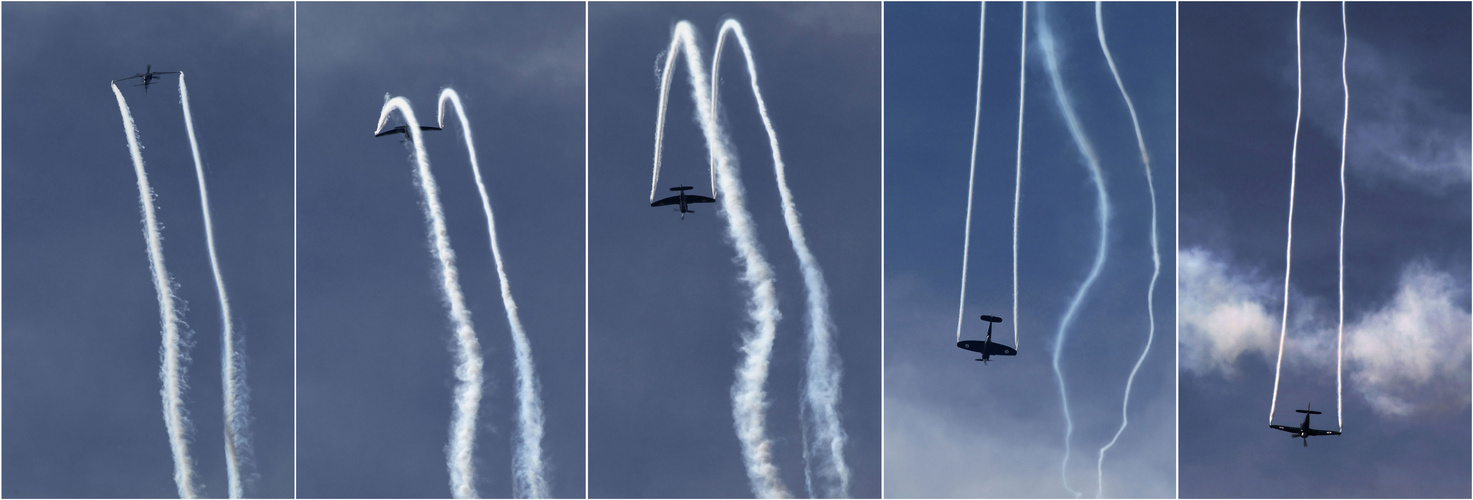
(404, 129)
(1303, 431)
(148, 76)
(683, 200)
(987, 348)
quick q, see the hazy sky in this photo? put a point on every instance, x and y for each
(666, 309)
(1406, 352)
(957, 428)
(83, 413)
(375, 340)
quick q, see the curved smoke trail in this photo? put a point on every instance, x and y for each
(1018, 177)
(1340, 330)
(1155, 253)
(232, 363)
(172, 371)
(821, 388)
(1046, 38)
(749, 398)
(529, 464)
(1293, 170)
(961, 311)
(468, 350)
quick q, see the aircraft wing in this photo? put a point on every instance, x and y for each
(690, 198)
(1286, 428)
(128, 78)
(392, 131)
(1318, 432)
(673, 200)
(984, 347)
(166, 72)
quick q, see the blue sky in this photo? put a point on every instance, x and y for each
(957, 428)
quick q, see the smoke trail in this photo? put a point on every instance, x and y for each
(961, 308)
(749, 398)
(1289, 245)
(1155, 253)
(172, 371)
(468, 350)
(1018, 177)
(1340, 330)
(232, 362)
(1045, 36)
(528, 471)
(821, 388)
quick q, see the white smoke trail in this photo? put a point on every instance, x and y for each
(232, 362)
(1289, 245)
(1155, 253)
(972, 174)
(528, 464)
(1340, 330)
(1018, 177)
(468, 349)
(821, 388)
(172, 371)
(749, 398)
(1045, 36)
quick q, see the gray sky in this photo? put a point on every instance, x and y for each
(374, 338)
(953, 426)
(1406, 353)
(666, 310)
(82, 335)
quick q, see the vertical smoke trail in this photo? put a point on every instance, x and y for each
(232, 363)
(1018, 177)
(528, 472)
(1045, 36)
(749, 398)
(468, 350)
(1340, 330)
(972, 175)
(172, 372)
(821, 388)
(1293, 168)
(1155, 253)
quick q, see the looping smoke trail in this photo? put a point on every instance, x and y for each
(468, 353)
(1340, 329)
(1293, 169)
(1155, 253)
(528, 464)
(749, 398)
(961, 311)
(1046, 38)
(1018, 177)
(232, 364)
(821, 388)
(172, 371)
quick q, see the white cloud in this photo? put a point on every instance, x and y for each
(1222, 313)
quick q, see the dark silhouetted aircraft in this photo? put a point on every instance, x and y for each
(148, 76)
(683, 200)
(404, 129)
(1303, 431)
(987, 348)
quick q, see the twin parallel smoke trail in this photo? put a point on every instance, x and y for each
(172, 371)
(528, 463)
(461, 450)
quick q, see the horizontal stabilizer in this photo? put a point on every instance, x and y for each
(991, 319)
(1311, 412)
(681, 188)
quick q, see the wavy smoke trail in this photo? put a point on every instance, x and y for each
(1293, 171)
(528, 464)
(822, 382)
(1155, 252)
(232, 348)
(961, 311)
(749, 398)
(175, 342)
(1340, 330)
(1046, 38)
(1018, 177)
(468, 349)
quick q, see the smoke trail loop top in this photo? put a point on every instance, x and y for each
(461, 449)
